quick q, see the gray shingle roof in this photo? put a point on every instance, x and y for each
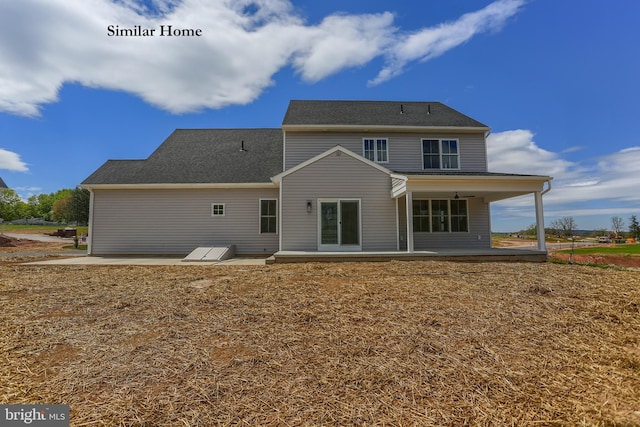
(2, 184)
(376, 113)
(190, 156)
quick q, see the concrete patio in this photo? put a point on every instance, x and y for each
(525, 254)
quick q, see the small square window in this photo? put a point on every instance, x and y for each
(217, 209)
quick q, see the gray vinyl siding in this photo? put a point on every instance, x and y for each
(338, 177)
(479, 225)
(404, 149)
(163, 222)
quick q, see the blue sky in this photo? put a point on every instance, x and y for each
(557, 81)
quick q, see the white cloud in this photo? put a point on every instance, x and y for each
(429, 43)
(604, 186)
(515, 151)
(45, 44)
(343, 41)
(11, 161)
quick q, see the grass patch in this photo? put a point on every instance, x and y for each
(41, 229)
(588, 264)
(624, 249)
(80, 247)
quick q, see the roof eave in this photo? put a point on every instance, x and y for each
(382, 128)
(179, 186)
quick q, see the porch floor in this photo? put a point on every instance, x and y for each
(465, 255)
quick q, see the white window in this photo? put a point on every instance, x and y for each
(268, 216)
(440, 216)
(440, 154)
(376, 149)
(217, 209)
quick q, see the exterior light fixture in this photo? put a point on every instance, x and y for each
(309, 206)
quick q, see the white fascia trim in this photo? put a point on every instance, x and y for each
(278, 178)
(178, 186)
(537, 178)
(381, 128)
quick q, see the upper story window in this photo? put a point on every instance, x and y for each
(440, 154)
(376, 149)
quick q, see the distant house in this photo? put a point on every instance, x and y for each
(338, 176)
(2, 184)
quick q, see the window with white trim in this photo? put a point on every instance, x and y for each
(217, 209)
(459, 216)
(421, 216)
(440, 154)
(440, 216)
(268, 216)
(376, 149)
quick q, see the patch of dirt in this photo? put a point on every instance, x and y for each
(389, 343)
(7, 242)
(625, 261)
(10, 244)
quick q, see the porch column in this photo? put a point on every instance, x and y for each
(542, 245)
(409, 197)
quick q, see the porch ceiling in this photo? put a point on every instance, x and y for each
(490, 188)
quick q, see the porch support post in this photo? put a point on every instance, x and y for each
(542, 245)
(409, 197)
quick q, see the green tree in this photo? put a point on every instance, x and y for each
(10, 205)
(634, 227)
(61, 209)
(531, 230)
(79, 206)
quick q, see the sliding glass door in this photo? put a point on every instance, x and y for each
(339, 225)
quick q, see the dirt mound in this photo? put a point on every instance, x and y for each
(7, 242)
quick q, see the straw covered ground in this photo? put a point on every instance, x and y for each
(397, 343)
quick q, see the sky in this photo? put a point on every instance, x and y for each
(557, 81)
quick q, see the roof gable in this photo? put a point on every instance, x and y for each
(2, 184)
(327, 153)
(376, 113)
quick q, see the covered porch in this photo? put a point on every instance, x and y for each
(449, 212)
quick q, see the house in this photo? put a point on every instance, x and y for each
(3, 186)
(338, 177)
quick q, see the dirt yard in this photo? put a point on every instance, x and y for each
(397, 343)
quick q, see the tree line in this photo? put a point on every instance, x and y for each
(67, 205)
(567, 226)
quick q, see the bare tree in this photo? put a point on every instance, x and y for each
(564, 226)
(617, 224)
